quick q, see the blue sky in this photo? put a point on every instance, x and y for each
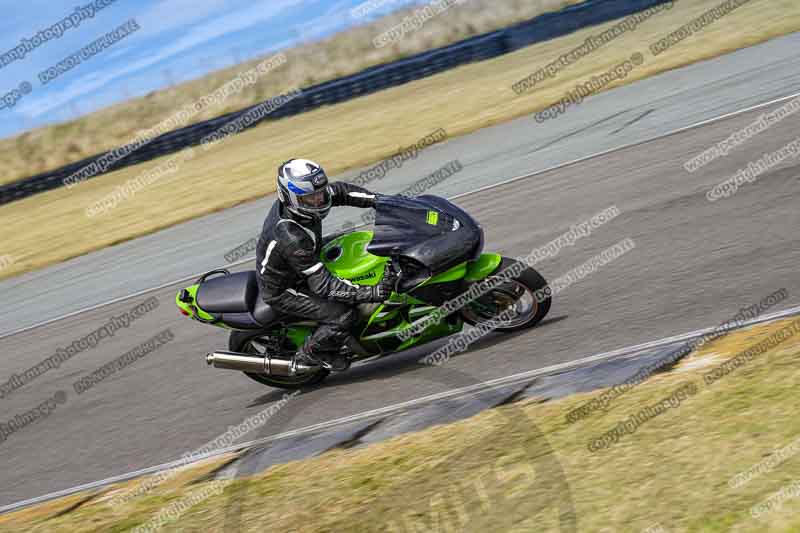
(178, 40)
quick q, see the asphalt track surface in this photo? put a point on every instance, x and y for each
(695, 264)
(647, 109)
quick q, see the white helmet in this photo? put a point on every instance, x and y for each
(303, 189)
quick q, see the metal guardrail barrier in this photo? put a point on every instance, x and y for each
(373, 79)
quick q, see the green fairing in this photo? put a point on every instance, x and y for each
(355, 263)
(191, 307)
(404, 299)
(485, 266)
(298, 334)
(454, 274)
(434, 331)
(471, 271)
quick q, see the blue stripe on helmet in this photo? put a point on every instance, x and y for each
(295, 189)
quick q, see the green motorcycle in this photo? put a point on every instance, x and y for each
(434, 248)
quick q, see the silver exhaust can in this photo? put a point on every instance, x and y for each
(256, 364)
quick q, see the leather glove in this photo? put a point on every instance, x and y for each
(383, 290)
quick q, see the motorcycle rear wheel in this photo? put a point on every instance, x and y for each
(243, 342)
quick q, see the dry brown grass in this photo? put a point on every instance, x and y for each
(482, 473)
(51, 227)
(346, 53)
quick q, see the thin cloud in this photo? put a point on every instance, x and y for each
(218, 27)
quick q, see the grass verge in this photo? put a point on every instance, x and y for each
(307, 64)
(52, 227)
(676, 470)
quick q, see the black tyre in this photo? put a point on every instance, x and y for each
(527, 292)
(245, 342)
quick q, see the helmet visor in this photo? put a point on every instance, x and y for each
(319, 200)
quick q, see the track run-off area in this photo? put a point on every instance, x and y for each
(695, 263)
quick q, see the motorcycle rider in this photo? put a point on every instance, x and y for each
(291, 277)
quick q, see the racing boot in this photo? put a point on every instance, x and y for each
(302, 360)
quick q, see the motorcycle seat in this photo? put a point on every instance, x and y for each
(236, 301)
(264, 313)
(236, 293)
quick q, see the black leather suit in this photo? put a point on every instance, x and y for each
(293, 280)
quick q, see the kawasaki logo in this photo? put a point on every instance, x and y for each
(363, 277)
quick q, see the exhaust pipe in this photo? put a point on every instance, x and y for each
(256, 364)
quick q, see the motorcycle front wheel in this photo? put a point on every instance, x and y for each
(525, 297)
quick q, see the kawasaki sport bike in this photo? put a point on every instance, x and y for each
(432, 247)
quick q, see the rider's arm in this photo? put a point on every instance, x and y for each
(347, 194)
(299, 252)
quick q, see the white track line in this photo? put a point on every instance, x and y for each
(389, 409)
(457, 196)
(633, 144)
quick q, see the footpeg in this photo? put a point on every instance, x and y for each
(337, 363)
